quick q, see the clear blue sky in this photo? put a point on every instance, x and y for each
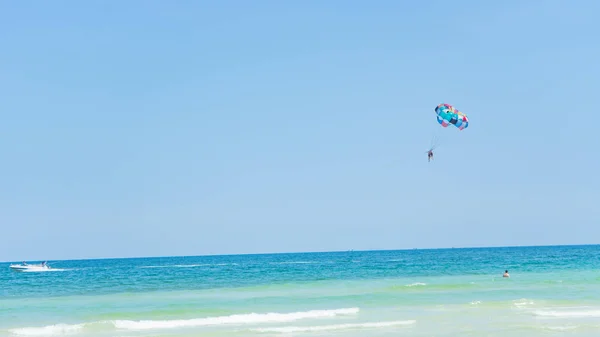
(145, 128)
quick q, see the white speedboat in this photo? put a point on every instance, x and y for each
(30, 267)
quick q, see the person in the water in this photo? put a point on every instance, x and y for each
(506, 274)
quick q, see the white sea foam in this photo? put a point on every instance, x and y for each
(416, 284)
(522, 302)
(50, 330)
(297, 262)
(189, 265)
(175, 266)
(292, 329)
(568, 314)
(241, 319)
(253, 318)
(561, 328)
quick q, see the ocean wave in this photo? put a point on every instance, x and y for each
(253, 318)
(298, 262)
(568, 314)
(561, 328)
(416, 284)
(240, 319)
(522, 302)
(422, 286)
(189, 265)
(50, 330)
(292, 329)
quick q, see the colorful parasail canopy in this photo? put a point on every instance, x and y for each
(447, 114)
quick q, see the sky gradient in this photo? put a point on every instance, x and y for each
(150, 128)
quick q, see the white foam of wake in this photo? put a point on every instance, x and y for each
(50, 330)
(233, 319)
(291, 329)
(568, 314)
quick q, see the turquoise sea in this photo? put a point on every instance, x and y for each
(552, 291)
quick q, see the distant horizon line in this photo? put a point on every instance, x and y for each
(304, 252)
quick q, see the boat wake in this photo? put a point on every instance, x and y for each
(33, 268)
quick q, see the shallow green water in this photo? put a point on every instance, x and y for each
(552, 291)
